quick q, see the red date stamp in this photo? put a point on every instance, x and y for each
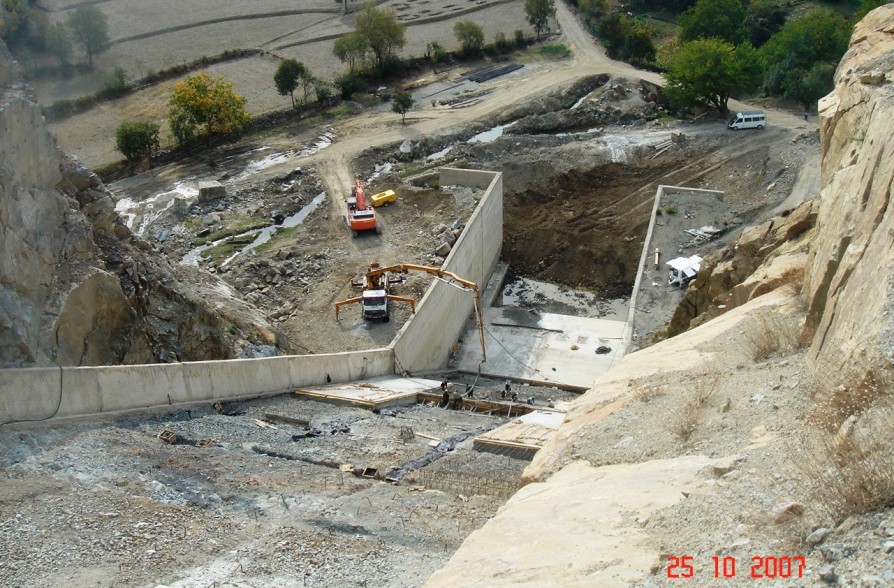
(769, 566)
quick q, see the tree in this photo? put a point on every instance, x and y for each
(58, 42)
(136, 140)
(470, 36)
(810, 86)
(383, 34)
(612, 30)
(401, 104)
(709, 72)
(538, 13)
(14, 18)
(90, 29)
(818, 37)
(763, 19)
(867, 6)
(288, 73)
(351, 48)
(721, 19)
(638, 45)
(202, 106)
(593, 10)
(308, 81)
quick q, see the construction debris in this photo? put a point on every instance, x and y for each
(168, 436)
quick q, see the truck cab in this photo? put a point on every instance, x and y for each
(374, 305)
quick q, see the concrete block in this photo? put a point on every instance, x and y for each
(126, 387)
(245, 377)
(310, 370)
(81, 392)
(29, 393)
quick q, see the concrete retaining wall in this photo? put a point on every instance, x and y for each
(424, 342)
(41, 393)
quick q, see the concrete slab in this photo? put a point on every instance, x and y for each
(373, 393)
(551, 349)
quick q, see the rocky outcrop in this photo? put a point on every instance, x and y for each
(76, 286)
(850, 265)
(762, 259)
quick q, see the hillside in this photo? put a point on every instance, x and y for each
(76, 286)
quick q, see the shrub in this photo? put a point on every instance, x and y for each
(136, 140)
(323, 93)
(555, 50)
(851, 472)
(470, 35)
(770, 335)
(501, 42)
(688, 413)
(115, 81)
(350, 84)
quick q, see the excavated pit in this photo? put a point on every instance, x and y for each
(585, 228)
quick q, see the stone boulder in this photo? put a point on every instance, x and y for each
(209, 191)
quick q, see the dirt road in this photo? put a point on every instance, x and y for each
(381, 128)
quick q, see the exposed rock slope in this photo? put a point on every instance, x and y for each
(76, 287)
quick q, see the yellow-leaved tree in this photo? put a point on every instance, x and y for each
(202, 106)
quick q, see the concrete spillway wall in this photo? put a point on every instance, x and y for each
(33, 394)
(424, 343)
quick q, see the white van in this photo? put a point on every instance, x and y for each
(754, 119)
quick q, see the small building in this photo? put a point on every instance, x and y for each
(683, 270)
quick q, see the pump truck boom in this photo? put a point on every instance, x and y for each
(361, 216)
(376, 286)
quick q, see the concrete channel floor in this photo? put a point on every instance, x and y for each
(551, 349)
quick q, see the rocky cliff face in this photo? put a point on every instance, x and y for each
(849, 282)
(76, 287)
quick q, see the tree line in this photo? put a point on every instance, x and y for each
(201, 106)
(26, 29)
(728, 48)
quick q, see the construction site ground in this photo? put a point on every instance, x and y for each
(266, 502)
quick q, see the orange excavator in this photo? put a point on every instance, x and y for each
(361, 215)
(376, 286)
